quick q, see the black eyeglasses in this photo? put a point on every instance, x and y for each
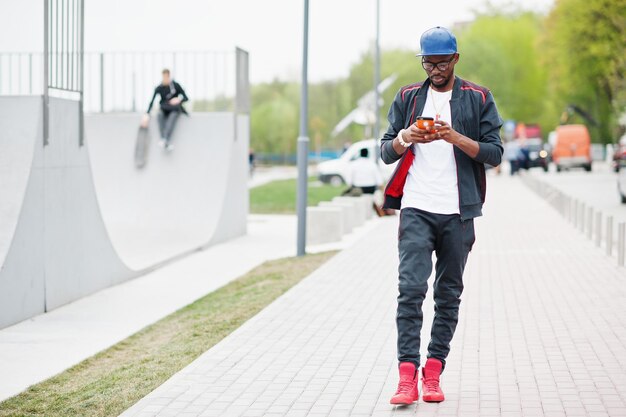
(441, 66)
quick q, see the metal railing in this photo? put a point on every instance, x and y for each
(242, 81)
(20, 73)
(588, 220)
(125, 81)
(62, 56)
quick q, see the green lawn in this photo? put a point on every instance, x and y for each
(279, 197)
(113, 380)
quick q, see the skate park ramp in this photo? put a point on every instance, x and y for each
(17, 146)
(177, 201)
(58, 249)
(76, 220)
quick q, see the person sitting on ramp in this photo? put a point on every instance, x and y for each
(171, 106)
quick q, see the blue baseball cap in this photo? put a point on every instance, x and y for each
(437, 41)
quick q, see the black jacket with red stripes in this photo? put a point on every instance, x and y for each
(474, 114)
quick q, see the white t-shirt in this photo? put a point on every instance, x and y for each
(364, 173)
(432, 183)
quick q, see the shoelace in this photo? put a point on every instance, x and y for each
(431, 384)
(404, 386)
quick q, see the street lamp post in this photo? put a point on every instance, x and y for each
(303, 140)
(377, 73)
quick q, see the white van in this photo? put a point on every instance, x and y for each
(336, 171)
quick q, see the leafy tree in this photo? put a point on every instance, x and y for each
(274, 118)
(500, 51)
(534, 65)
(329, 102)
(585, 51)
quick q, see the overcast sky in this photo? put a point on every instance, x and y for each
(271, 30)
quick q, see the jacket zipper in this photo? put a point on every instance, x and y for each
(458, 185)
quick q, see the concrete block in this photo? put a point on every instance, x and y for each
(324, 224)
(368, 201)
(347, 209)
(359, 212)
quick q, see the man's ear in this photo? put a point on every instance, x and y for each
(456, 57)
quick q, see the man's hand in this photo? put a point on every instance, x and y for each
(444, 131)
(412, 134)
(416, 135)
(175, 101)
(145, 119)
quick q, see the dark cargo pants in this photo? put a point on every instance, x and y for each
(167, 122)
(420, 234)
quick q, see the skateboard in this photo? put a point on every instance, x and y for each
(142, 145)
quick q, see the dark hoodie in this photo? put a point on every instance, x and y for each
(168, 92)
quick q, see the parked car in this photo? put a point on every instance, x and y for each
(619, 154)
(527, 130)
(621, 178)
(335, 171)
(537, 154)
(572, 148)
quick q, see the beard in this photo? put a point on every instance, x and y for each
(441, 83)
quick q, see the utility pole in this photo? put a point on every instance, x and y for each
(377, 73)
(303, 140)
(46, 72)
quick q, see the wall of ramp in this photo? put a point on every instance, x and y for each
(177, 201)
(75, 220)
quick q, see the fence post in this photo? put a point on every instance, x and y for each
(101, 82)
(568, 209)
(81, 64)
(583, 209)
(598, 228)
(10, 58)
(30, 73)
(621, 235)
(621, 241)
(46, 70)
(134, 89)
(589, 224)
(609, 235)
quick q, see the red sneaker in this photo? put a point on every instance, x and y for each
(407, 387)
(431, 391)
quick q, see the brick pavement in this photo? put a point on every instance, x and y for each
(542, 332)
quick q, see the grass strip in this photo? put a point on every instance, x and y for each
(279, 197)
(113, 380)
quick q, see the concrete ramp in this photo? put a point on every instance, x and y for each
(59, 250)
(62, 238)
(21, 207)
(175, 203)
(17, 148)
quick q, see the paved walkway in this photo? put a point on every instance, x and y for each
(542, 332)
(45, 345)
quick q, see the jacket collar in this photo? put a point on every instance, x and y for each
(455, 102)
(456, 88)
